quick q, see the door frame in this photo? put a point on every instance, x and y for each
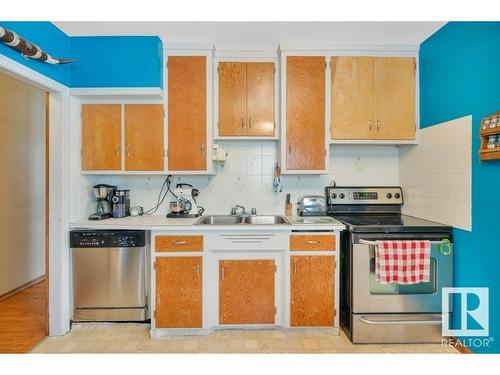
(58, 176)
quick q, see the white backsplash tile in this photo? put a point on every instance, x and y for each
(247, 178)
(436, 174)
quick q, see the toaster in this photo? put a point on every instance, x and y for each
(311, 205)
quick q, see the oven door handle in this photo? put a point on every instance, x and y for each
(368, 321)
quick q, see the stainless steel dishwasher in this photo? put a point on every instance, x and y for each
(109, 275)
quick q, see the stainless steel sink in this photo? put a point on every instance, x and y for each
(265, 220)
(241, 220)
(219, 220)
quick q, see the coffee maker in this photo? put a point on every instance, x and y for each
(103, 194)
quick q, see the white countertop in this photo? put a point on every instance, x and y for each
(160, 222)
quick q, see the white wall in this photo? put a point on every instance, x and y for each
(436, 174)
(22, 187)
(247, 177)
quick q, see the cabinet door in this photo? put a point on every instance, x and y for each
(260, 99)
(246, 292)
(101, 137)
(394, 98)
(312, 290)
(232, 99)
(352, 98)
(144, 149)
(187, 113)
(178, 292)
(305, 113)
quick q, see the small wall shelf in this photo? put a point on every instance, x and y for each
(486, 131)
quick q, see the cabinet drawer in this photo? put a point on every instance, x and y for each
(311, 242)
(178, 243)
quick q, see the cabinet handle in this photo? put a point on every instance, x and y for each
(242, 122)
(202, 149)
(222, 274)
(117, 148)
(179, 242)
(378, 124)
(313, 242)
(197, 271)
(128, 149)
(290, 149)
(294, 268)
(250, 123)
(370, 125)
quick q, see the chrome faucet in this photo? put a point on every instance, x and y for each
(234, 210)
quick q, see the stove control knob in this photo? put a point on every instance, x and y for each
(333, 195)
(397, 195)
(389, 195)
(341, 196)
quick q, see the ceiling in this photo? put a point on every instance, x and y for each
(263, 35)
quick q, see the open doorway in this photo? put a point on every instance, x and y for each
(24, 219)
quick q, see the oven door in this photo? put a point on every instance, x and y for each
(370, 296)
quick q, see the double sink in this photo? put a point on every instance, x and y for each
(242, 220)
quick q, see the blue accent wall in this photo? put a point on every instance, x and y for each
(460, 75)
(102, 61)
(117, 61)
(50, 39)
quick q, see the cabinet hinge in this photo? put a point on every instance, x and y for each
(154, 314)
(325, 151)
(217, 68)
(165, 152)
(334, 312)
(164, 113)
(154, 265)
(275, 310)
(326, 65)
(81, 152)
(275, 70)
(166, 64)
(275, 269)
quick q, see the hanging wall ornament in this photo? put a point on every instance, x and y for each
(27, 49)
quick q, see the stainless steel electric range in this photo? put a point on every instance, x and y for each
(371, 312)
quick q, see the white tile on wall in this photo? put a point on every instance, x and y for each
(436, 173)
(247, 178)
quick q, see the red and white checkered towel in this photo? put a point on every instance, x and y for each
(402, 262)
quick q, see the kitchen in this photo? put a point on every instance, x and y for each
(230, 179)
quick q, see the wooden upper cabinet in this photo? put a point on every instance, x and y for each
(352, 97)
(101, 137)
(246, 291)
(312, 289)
(305, 113)
(144, 146)
(187, 113)
(394, 98)
(232, 99)
(373, 98)
(246, 99)
(260, 99)
(179, 292)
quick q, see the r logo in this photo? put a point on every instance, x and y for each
(472, 307)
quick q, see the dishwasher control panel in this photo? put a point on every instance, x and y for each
(107, 238)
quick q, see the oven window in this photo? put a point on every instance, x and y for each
(395, 289)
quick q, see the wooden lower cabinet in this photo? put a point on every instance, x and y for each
(246, 291)
(312, 286)
(179, 292)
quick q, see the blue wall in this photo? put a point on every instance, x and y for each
(460, 75)
(102, 61)
(117, 61)
(50, 39)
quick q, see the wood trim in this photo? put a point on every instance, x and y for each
(460, 346)
(311, 242)
(22, 287)
(173, 243)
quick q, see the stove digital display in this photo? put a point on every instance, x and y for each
(366, 195)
